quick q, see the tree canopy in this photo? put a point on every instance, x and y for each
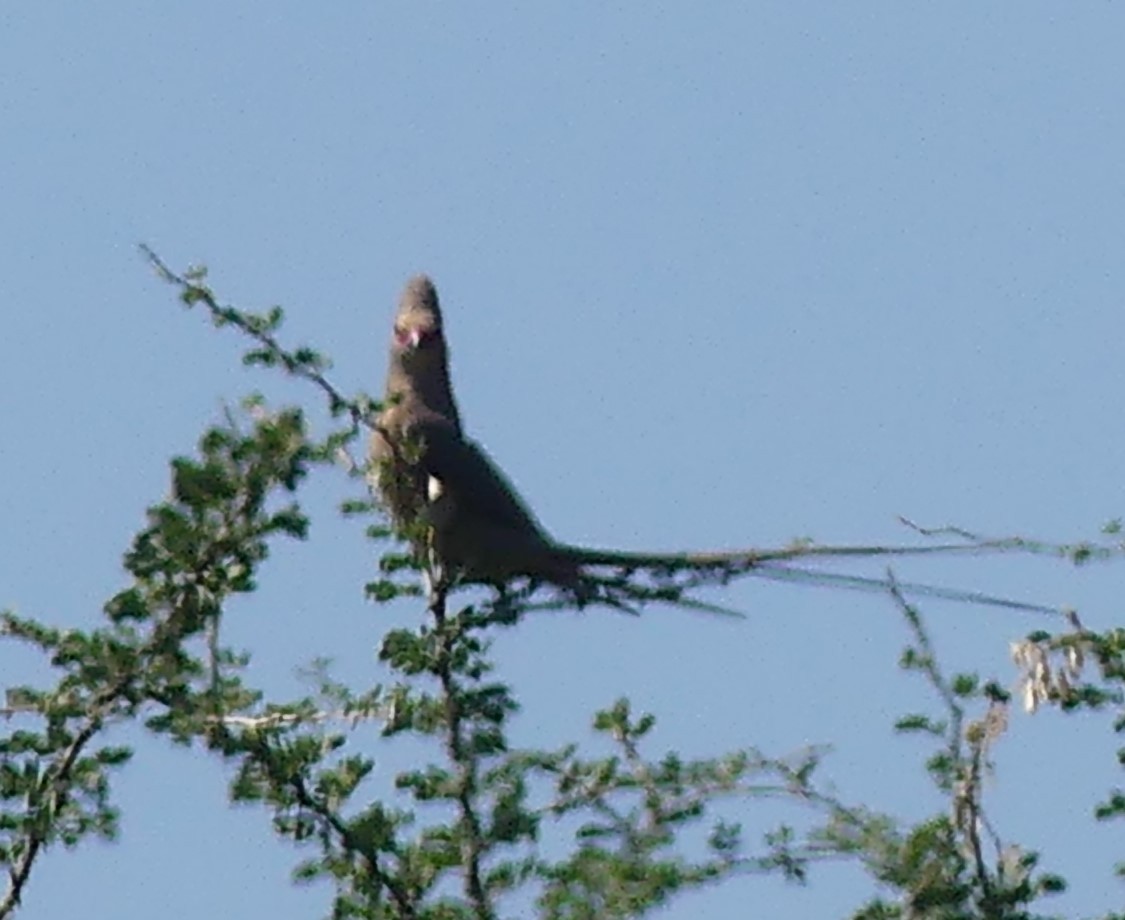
(480, 828)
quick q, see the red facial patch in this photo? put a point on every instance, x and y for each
(414, 336)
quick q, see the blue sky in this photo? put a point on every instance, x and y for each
(720, 275)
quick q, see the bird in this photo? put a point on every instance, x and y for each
(442, 490)
(449, 499)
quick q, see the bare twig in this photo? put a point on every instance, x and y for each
(283, 719)
(1079, 553)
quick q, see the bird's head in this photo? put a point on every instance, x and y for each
(418, 339)
(418, 370)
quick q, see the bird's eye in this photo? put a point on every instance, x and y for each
(415, 336)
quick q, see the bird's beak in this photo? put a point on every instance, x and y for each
(411, 338)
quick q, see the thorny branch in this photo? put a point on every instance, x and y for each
(59, 783)
(971, 819)
(192, 292)
(59, 780)
(966, 776)
(466, 761)
(333, 821)
(927, 662)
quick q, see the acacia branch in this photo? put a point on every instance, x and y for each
(192, 292)
(331, 820)
(928, 664)
(58, 781)
(465, 761)
(974, 819)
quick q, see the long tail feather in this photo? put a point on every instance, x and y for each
(777, 572)
(749, 558)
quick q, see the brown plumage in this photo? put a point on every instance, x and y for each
(440, 488)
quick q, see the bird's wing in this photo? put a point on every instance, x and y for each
(465, 471)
